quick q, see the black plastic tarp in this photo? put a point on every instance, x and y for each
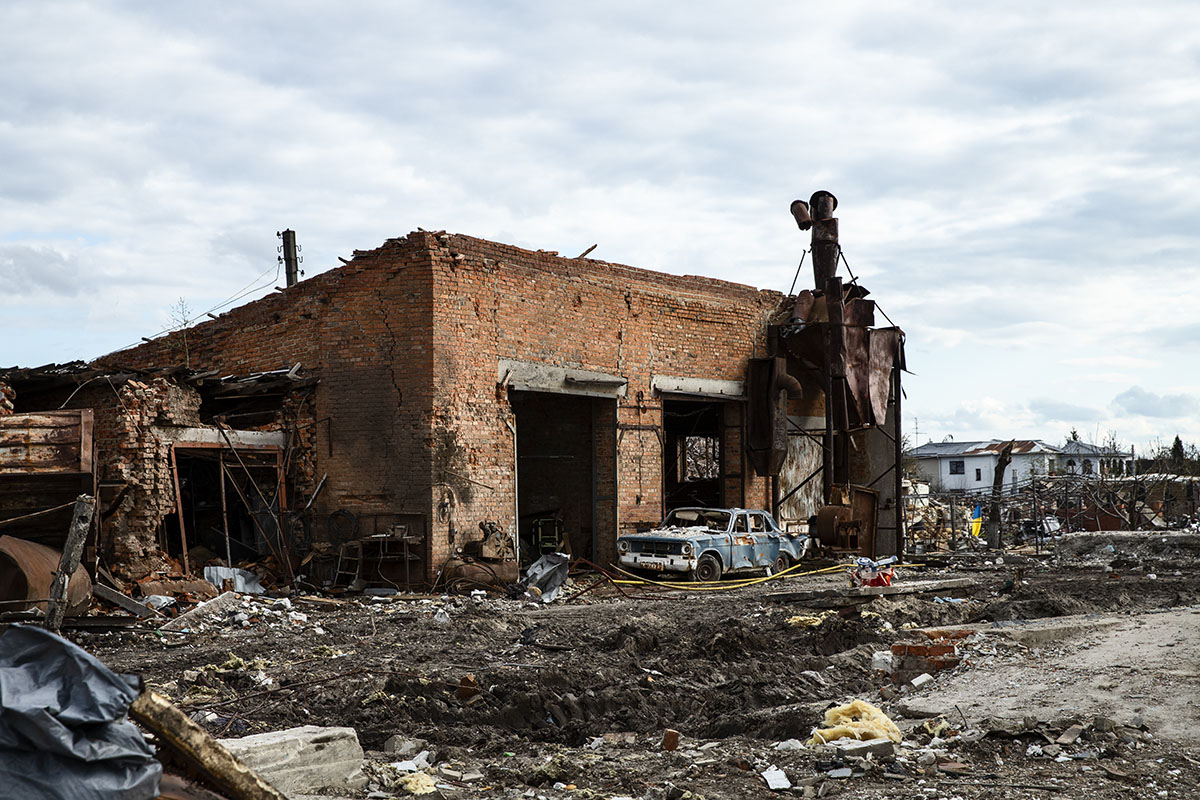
(64, 731)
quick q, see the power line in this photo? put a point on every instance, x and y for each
(249, 288)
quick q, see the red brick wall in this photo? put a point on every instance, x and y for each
(410, 424)
(134, 464)
(363, 330)
(495, 301)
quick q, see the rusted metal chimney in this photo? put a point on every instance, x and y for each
(799, 211)
(825, 249)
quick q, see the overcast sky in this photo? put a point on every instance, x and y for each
(1019, 185)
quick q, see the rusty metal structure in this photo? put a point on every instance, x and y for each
(831, 375)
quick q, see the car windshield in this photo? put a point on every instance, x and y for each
(691, 517)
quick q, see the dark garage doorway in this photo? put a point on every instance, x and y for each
(209, 510)
(557, 440)
(692, 455)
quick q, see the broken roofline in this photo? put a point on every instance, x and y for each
(79, 373)
(982, 448)
(473, 251)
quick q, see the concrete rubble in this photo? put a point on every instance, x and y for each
(304, 760)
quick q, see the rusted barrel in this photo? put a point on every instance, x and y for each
(481, 573)
(26, 572)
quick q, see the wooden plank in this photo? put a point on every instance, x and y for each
(59, 441)
(62, 457)
(42, 419)
(16, 437)
(868, 592)
(87, 443)
(128, 603)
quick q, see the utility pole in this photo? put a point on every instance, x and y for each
(290, 257)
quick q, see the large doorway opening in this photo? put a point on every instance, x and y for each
(558, 479)
(230, 503)
(692, 453)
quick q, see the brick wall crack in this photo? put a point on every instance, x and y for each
(391, 358)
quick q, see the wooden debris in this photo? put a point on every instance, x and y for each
(191, 745)
(81, 523)
(140, 610)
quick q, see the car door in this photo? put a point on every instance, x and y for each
(766, 539)
(742, 549)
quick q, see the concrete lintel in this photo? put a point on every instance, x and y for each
(208, 437)
(538, 377)
(706, 388)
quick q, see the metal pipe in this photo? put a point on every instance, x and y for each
(900, 532)
(183, 543)
(225, 512)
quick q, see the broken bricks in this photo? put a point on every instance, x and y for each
(910, 659)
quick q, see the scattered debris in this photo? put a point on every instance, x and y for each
(776, 778)
(210, 611)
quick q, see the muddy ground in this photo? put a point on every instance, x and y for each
(571, 699)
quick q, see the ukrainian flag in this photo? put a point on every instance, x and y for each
(977, 520)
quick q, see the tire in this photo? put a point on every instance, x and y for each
(708, 569)
(781, 564)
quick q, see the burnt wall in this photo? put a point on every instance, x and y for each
(363, 331)
(409, 419)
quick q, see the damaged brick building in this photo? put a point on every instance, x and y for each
(441, 380)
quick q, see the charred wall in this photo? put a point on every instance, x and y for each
(363, 331)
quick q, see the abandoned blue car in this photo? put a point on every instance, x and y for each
(707, 543)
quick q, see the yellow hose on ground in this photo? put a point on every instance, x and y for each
(713, 586)
(717, 586)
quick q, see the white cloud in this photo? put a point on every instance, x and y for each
(1019, 185)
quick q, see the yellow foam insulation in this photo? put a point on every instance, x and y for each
(856, 720)
(418, 783)
(809, 620)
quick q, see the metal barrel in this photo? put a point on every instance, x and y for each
(26, 572)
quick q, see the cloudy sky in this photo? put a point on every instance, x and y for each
(1019, 185)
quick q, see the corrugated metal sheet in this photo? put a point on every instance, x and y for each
(803, 459)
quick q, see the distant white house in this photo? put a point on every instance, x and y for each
(1081, 458)
(968, 466)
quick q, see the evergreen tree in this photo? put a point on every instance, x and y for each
(1178, 457)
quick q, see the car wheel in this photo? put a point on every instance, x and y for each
(707, 569)
(781, 564)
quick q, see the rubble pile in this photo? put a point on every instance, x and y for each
(677, 695)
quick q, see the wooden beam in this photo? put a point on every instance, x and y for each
(81, 523)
